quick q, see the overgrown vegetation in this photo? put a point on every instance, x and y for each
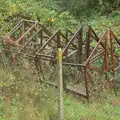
(65, 13)
(25, 95)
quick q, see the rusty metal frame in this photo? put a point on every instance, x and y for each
(63, 41)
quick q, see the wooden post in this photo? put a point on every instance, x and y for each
(60, 85)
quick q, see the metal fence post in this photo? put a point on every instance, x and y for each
(60, 85)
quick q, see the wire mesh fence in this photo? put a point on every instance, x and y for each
(35, 94)
(104, 103)
(34, 86)
(101, 109)
(27, 94)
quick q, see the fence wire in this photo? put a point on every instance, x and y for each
(102, 105)
(34, 95)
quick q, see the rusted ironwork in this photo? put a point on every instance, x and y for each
(26, 33)
(72, 39)
(88, 42)
(40, 44)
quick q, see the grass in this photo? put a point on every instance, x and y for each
(73, 110)
(36, 101)
(42, 104)
(77, 110)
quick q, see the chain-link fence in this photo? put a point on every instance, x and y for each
(30, 91)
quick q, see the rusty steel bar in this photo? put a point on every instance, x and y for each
(66, 89)
(7, 25)
(80, 49)
(31, 21)
(117, 68)
(41, 48)
(35, 29)
(50, 34)
(92, 53)
(89, 77)
(67, 40)
(69, 45)
(47, 32)
(62, 35)
(86, 83)
(14, 29)
(96, 58)
(99, 54)
(97, 38)
(72, 33)
(74, 64)
(45, 36)
(47, 58)
(88, 36)
(93, 60)
(106, 52)
(43, 55)
(26, 33)
(30, 40)
(72, 39)
(118, 41)
(92, 36)
(27, 24)
(58, 39)
(11, 32)
(66, 35)
(41, 37)
(117, 58)
(62, 43)
(77, 77)
(112, 60)
(116, 55)
(22, 32)
(93, 68)
(112, 49)
(70, 54)
(31, 56)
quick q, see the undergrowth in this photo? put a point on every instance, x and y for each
(22, 96)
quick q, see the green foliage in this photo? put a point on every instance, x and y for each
(64, 12)
(56, 14)
(77, 7)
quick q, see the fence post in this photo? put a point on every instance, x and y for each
(60, 85)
